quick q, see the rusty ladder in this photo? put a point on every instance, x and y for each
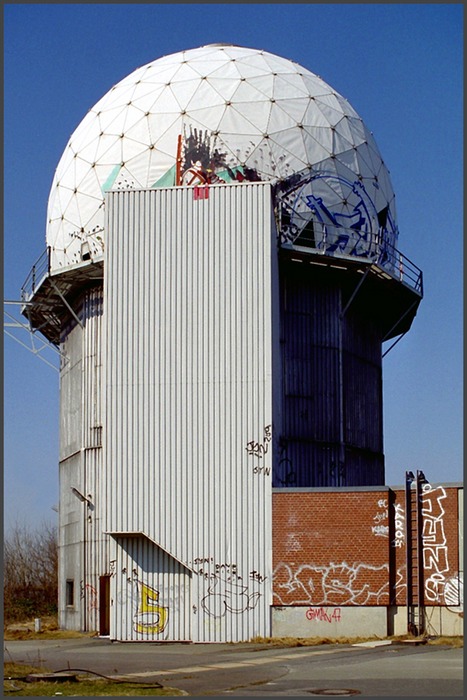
(414, 553)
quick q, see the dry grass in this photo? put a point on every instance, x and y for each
(288, 642)
(49, 630)
(293, 641)
(15, 684)
(456, 642)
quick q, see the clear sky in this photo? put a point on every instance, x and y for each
(399, 65)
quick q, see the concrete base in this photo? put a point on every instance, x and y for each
(334, 623)
(329, 622)
(439, 621)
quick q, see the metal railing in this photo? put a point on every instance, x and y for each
(338, 241)
(321, 238)
(39, 271)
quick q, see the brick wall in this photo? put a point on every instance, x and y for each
(338, 547)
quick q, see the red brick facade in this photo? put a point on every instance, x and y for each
(337, 547)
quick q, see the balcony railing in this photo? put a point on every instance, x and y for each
(323, 239)
(350, 243)
(39, 271)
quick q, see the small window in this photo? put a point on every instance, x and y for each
(70, 592)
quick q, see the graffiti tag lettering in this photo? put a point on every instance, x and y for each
(399, 523)
(150, 616)
(323, 615)
(435, 551)
(256, 576)
(259, 449)
(334, 584)
(226, 591)
(382, 514)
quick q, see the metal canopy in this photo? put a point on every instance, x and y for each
(381, 294)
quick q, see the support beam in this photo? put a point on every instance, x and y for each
(70, 309)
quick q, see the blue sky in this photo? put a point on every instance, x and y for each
(399, 65)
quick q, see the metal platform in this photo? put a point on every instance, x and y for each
(48, 297)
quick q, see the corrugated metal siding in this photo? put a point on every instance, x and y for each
(151, 592)
(332, 400)
(70, 542)
(97, 545)
(189, 391)
(84, 551)
(363, 399)
(71, 388)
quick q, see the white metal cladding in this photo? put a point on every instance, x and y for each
(84, 548)
(150, 592)
(71, 527)
(188, 451)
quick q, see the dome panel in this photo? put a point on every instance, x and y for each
(72, 213)
(159, 124)
(132, 150)
(112, 121)
(343, 129)
(226, 71)
(108, 149)
(120, 94)
(313, 116)
(289, 86)
(256, 61)
(332, 115)
(207, 118)
(318, 141)
(245, 119)
(206, 66)
(339, 143)
(140, 132)
(205, 94)
(280, 119)
(349, 160)
(146, 95)
(284, 153)
(295, 108)
(90, 182)
(184, 91)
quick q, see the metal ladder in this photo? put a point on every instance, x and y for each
(414, 554)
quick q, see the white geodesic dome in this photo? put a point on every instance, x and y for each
(222, 114)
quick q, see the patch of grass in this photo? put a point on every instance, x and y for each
(15, 684)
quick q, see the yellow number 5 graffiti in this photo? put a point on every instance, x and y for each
(150, 617)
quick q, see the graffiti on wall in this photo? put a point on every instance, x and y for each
(454, 593)
(150, 617)
(380, 529)
(286, 475)
(332, 584)
(259, 449)
(323, 614)
(226, 591)
(399, 526)
(89, 593)
(435, 550)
